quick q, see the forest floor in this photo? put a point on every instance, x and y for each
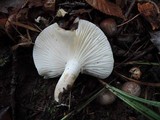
(25, 95)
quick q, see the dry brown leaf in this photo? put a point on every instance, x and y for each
(106, 7)
(151, 13)
(121, 3)
(8, 26)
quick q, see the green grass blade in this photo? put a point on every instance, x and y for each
(66, 117)
(89, 100)
(140, 108)
(149, 102)
(83, 105)
(132, 101)
(133, 106)
(147, 111)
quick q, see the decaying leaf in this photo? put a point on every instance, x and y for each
(150, 11)
(106, 7)
(20, 15)
(5, 4)
(8, 26)
(121, 3)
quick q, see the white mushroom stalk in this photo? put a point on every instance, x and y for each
(84, 50)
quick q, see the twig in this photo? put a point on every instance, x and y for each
(131, 46)
(136, 81)
(28, 35)
(130, 8)
(127, 14)
(135, 55)
(142, 63)
(73, 5)
(126, 22)
(143, 53)
(24, 26)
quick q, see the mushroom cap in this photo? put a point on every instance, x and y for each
(132, 88)
(106, 97)
(88, 45)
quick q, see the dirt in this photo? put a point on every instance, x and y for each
(25, 95)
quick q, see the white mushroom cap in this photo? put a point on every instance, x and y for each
(84, 50)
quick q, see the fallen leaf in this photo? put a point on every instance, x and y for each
(5, 4)
(22, 14)
(121, 3)
(8, 26)
(106, 7)
(150, 12)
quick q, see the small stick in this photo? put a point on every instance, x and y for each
(127, 14)
(130, 8)
(74, 4)
(126, 22)
(138, 82)
(143, 53)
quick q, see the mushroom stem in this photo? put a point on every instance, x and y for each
(71, 72)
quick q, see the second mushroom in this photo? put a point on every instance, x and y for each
(71, 52)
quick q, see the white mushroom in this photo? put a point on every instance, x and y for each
(84, 50)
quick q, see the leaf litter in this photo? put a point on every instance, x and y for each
(26, 95)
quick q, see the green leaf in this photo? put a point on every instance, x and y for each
(149, 102)
(140, 108)
(134, 102)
